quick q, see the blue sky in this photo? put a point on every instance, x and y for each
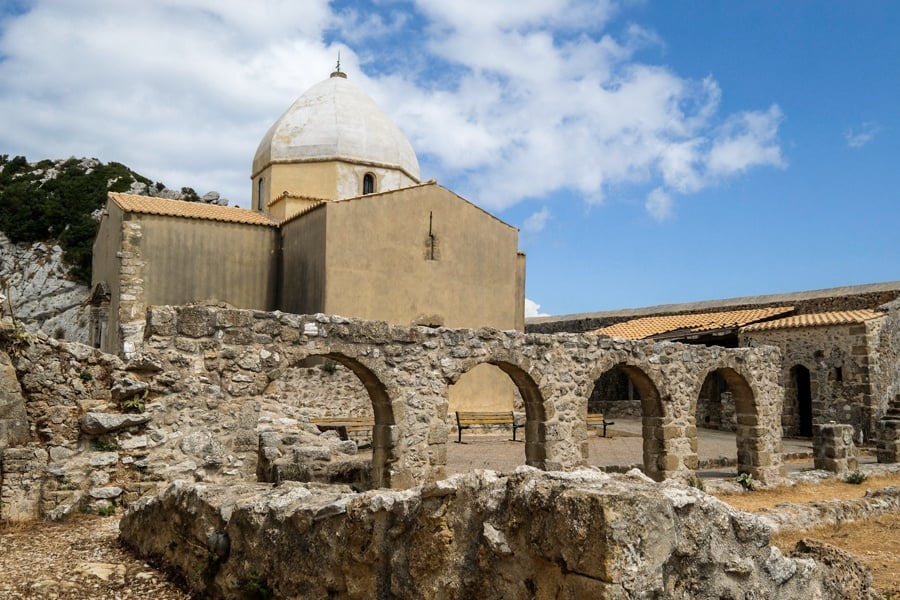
(650, 152)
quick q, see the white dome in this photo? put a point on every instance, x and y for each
(335, 120)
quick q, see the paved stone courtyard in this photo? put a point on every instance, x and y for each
(621, 448)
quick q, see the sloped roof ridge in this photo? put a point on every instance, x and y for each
(819, 319)
(430, 182)
(649, 326)
(712, 305)
(150, 205)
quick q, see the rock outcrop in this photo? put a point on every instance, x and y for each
(531, 534)
(40, 290)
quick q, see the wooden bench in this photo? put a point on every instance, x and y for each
(344, 425)
(466, 419)
(597, 420)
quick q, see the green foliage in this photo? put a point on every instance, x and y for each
(86, 376)
(696, 481)
(14, 338)
(189, 194)
(106, 511)
(856, 477)
(255, 588)
(329, 366)
(59, 209)
(104, 445)
(135, 404)
(746, 481)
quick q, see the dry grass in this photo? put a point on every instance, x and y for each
(875, 542)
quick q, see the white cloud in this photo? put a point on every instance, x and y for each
(865, 134)
(659, 204)
(748, 139)
(536, 222)
(533, 309)
(509, 99)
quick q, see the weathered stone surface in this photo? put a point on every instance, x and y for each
(526, 535)
(212, 394)
(104, 459)
(96, 423)
(127, 388)
(106, 493)
(41, 291)
(13, 419)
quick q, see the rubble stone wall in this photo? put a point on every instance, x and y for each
(838, 358)
(209, 380)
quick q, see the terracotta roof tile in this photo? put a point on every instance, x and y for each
(645, 327)
(844, 317)
(192, 210)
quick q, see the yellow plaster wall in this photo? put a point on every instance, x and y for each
(190, 260)
(326, 180)
(378, 265)
(303, 273)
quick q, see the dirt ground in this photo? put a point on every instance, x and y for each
(875, 541)
(82, 559)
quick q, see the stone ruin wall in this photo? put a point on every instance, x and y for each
(885, 368)
(524, 535)
(210, 381)
(821, 350)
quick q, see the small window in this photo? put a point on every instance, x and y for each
(260, 188)
(368, 184)
(838, 374)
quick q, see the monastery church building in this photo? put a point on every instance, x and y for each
(340, 224)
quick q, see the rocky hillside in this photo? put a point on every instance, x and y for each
(49, 212)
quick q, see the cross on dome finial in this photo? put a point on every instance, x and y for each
(337, 70)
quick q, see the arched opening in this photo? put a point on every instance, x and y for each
(497, 387)
(615, 396)
(368, 184)
(715, 405)
(342, 398)
(800, 399)
(626, 393)
(738, 406)
(260, 193)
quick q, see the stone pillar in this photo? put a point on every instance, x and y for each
(833, 448)
(23, 474)
(889, 439)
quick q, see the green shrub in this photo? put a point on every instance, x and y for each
(746, 481)
(99, 445)
(59, 209)
(856, 477)
(255, 588)
(135, 404)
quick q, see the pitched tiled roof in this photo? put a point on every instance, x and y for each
(843, 317)
(645, 327)
(148, 205)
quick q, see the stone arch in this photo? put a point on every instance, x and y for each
(655, 450)
(715, 403)
(756, 438)
(536, 412)
(384, 451)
